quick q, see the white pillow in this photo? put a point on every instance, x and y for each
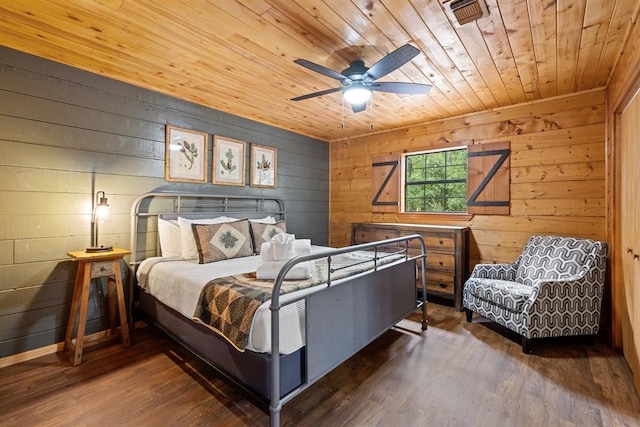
(265, 220)
(188, 242)
(170, 238)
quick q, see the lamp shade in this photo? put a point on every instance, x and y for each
(100, 212)
(102, 206)
(357, 94)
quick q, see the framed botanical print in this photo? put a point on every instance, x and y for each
(228, 161)
(185, 155)
(264, 166)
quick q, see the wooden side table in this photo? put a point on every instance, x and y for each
(92, 266)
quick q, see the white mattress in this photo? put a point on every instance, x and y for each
(178, 283)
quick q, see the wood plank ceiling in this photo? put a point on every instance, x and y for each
(237, 55)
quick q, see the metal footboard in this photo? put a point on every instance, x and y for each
(377, 284)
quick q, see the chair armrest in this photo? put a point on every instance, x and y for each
(553, 289)
(494, 271)
(563, 305)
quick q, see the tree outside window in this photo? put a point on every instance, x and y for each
(436, 181)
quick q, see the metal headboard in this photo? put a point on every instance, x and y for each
(195, 205)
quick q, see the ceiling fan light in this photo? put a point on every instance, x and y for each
(357, 95)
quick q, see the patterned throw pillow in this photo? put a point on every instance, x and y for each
(264, 232)
(189, 250)
(216, 242)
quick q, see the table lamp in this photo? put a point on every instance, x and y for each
(100, 212)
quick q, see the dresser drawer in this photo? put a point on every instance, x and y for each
(364, 234)
(442, 243)
(440, 283)
(437, 260)
(102, 269)
(441, 262)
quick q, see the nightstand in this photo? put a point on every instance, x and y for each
(92, 266)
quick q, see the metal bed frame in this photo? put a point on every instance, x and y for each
(388, 290)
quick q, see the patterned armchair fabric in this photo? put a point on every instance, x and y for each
(553, 289)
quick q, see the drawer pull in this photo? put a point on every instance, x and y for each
(441, 241)
(441, 263)
(442, 284)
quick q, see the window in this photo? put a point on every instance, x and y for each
(436, 181)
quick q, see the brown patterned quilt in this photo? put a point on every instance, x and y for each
(227, 305)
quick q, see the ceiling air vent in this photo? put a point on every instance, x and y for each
(467, 10)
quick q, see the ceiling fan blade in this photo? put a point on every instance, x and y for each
(391, 62)
(314, 94)
(359, 107)
(399, 87)
(322, 70)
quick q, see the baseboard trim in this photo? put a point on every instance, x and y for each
(46, 350)
(59, 347)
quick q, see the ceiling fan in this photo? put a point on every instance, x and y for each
(358, 81)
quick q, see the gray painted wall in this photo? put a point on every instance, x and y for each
(65, 133)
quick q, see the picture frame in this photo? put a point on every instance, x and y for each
(264, 166)
(228, 161)
(185, 155)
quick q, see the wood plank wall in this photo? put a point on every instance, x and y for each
(557, 173)
(65, 133)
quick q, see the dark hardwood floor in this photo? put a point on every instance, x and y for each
(454, 374)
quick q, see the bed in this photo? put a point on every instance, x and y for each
(349, 297)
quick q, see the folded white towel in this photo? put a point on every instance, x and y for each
(283, 238)
(282, 251)
(282, 246)
(266, 252)
(300, 247)
(269, 270)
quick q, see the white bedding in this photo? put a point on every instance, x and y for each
(178, 283)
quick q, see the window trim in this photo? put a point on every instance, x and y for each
(434, 216)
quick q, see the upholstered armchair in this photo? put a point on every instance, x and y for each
(553, 289)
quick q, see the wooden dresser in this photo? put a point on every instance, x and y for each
(447, 255)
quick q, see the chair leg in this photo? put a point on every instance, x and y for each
(469, 315)
(526, 345)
